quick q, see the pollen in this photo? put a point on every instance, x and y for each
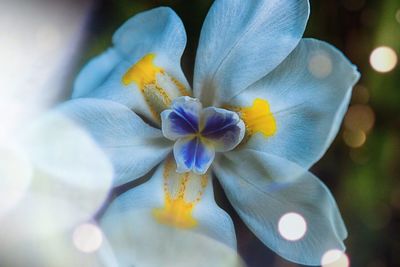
(143, 73)
(258, 118)
(157, 87)
(178, 207)
(176, 212)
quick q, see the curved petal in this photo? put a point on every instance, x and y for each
(133, 146)
(155, 30)
(158, 211)
(308, 95)
(223, 128)
(264, 188)
(148, 75)
(242, 41)
(191, 154)
(175, 126)
(96, 72)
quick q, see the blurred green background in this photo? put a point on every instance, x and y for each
(362, 167)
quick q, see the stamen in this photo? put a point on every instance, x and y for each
(157, 99)
(157, 86)
(178, 209)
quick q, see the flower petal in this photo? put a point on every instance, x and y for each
(144, 224)
(148, 75)
(308, 95)
(191, 154)
(182, 119)
(96, 72)
(223, 128)
(133, 146)
(264, 188)
(241, 41)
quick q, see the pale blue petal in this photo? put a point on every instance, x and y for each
(262, 188)
(158, 31)
(191, 154)
(308, 107)
(222, 127)
(95, 72)
(139, 238)
(133, 146)
(242, 41)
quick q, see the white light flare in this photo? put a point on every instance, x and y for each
(15, 177)
(292, 226)
(383, 59)
(335, 258)
(87, 238)
(70, 167)
(38, 42)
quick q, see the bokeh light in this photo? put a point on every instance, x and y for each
(320, 64)
(398, 15)
(335, 258)
(292, 226)
(383, 59)
(87, 238)
(359, 118)
(354, 138)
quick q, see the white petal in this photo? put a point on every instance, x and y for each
(133, 146)
(288, 208)
(157, 202)
(157, 32)
(308, 106)
(241, 41)
(95, 72)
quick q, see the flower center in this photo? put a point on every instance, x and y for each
(200, 133)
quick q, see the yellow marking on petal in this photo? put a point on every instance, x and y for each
(258, 118)
(181, 87)
(177, 210)
(150, 80)
(144, 72)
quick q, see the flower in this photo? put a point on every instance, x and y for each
(273, 102)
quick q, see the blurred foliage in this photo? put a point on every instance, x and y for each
(365, 180)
